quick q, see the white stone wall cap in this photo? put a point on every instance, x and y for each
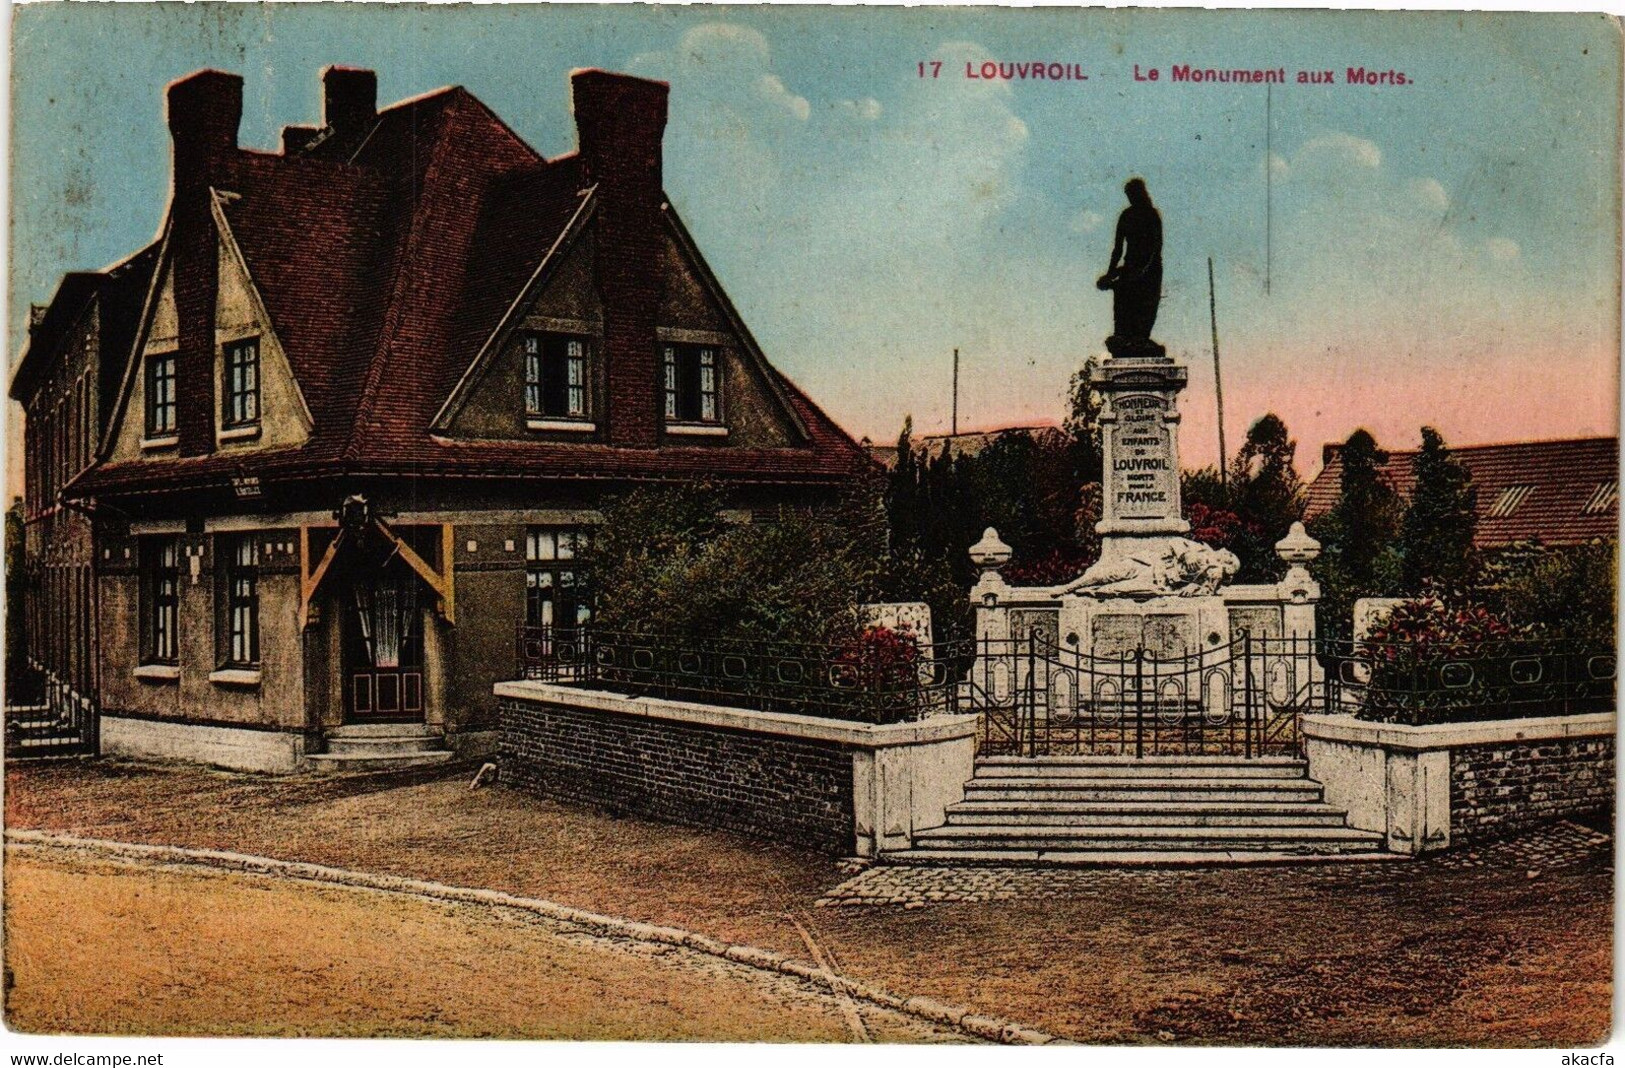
(1297, 547)
(814, 728)
(1343, 728)
(991, 551)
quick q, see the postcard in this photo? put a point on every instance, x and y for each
(810, 524)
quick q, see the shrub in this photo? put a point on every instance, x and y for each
(1431, 662)
(1566, 592)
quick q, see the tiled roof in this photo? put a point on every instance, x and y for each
(386, 259)
(969, 443)
(1560, 492)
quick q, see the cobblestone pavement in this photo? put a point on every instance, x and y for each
(1553, 847)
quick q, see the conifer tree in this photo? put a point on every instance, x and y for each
(1358, 536)
(1436, 535)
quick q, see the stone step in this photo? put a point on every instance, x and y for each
(383, 730)
(1124, 858)
(1041, 839)
(1071, 790)
(1148, 768)
(384, 746)
(376, 761)
(1113, 816)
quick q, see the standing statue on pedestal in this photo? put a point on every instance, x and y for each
(1135, 276)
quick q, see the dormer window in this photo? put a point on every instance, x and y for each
(160, 395)
(691, 384)
(1509, 501)
(555, 377)
(242, 386)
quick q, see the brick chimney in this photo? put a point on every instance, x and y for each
(619, 123)
(349, 99)
(205, 109)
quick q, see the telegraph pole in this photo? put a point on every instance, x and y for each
(955, 425)
(1218, 382)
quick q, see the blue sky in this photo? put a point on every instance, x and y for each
(1443, 252)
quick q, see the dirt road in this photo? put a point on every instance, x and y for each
(1421, 953)
(163, 950)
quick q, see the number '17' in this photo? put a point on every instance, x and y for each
(934, 64)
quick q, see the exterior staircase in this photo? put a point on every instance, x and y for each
(1156, 810)
(380, 747)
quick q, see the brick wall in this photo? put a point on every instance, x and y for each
(1496, 789)
(788, 789)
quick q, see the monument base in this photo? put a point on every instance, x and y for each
(1135, 348)
(1166, 628)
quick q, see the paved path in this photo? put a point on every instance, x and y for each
(126, 947)
(1555, 848)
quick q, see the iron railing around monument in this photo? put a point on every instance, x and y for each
(1240, 698)
(1036, 697)
(874, 678)
(1423, 682)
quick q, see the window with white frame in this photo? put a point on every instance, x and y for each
(555, 376)
(160, 394)
(242, 385)
(240, 601)
(160, 589)
(557, 593)
(691, 383)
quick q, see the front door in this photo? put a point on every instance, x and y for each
(383, 677)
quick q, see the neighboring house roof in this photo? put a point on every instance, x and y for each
(1560, 492)
(387, 258)
(969, 443)
(120, 288)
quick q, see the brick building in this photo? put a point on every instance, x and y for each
(1563, 492)
(65, 382)
(378, 387)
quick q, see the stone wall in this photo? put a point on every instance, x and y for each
(1497, 789)
(818, 783)
(790, 789)
(1428, 787)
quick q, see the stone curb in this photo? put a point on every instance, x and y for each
(987, 1028)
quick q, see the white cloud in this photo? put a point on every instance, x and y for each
(1502, 249)
(1430, 193)
(772, 88)
(1340, 146)
(868, 109)
(1085, 221)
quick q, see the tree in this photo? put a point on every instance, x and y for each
(1082, 425)
(1436, 534)
(1359, 557)
(1267, 496)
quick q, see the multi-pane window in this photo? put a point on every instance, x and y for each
(242, 630)
(555, 376)
(160, 394)
(691, 383)
(161, 580)
(556, 589)
(242, 392)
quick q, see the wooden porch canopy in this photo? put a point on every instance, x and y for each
(443, 583)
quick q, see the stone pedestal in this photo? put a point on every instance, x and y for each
(1139, 431)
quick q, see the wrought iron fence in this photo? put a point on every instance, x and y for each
(871, 679)
(1423, 682)
(1240, 698)
(1035, 697)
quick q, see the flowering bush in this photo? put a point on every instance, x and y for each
(879, 660)
(1061, 565)
(1432, 662)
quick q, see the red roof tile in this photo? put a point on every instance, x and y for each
(386, 259)
(1561, 477)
